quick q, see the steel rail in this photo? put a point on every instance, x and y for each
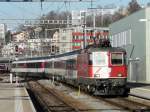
(53, 93)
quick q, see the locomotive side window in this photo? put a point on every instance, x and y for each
(117, 58)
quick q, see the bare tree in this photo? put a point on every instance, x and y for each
(107, 20)
(8, 36)
(20, 28)
(118, 14)
(133, 6)
(55, 15)
(148, 4)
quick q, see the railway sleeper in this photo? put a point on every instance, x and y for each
(108, 90)
(60, 108)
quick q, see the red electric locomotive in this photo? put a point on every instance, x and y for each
(103, 71)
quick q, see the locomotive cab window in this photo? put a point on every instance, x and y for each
(100, 58)
(117, 59)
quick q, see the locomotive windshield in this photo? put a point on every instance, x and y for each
(100, 58)
(117, 58)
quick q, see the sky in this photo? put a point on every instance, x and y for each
(32, 10)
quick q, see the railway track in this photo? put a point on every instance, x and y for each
(128, 104)
(49, 99)
(52, 101)
(132, 103)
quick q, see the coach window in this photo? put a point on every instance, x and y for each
(38, 65)
(14, 65)
(31, 65)
(74, 64)
(56, 64)
(49, 64)
(68, 64)
(21, 65)
(71, 64)
(17, 65)
(62, 64)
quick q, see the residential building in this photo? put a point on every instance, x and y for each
(65, 39)
(82, 37)
(75, 38)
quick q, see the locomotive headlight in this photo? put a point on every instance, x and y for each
(96, 75)
(119, 75)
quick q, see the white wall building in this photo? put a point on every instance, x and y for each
(65, 39)
(134, 35)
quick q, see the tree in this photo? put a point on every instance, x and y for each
(55, 15)
(119, 14)
(20, 28)
(148, 4)
(107, 20)
(8, 36)
(133, 6)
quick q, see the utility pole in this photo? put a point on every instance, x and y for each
(83, 24)
(93, 13)
(93, 23)
(68, 21)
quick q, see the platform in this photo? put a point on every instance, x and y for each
(141, 90)
(14, 99)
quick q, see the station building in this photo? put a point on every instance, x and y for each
(133, 34)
